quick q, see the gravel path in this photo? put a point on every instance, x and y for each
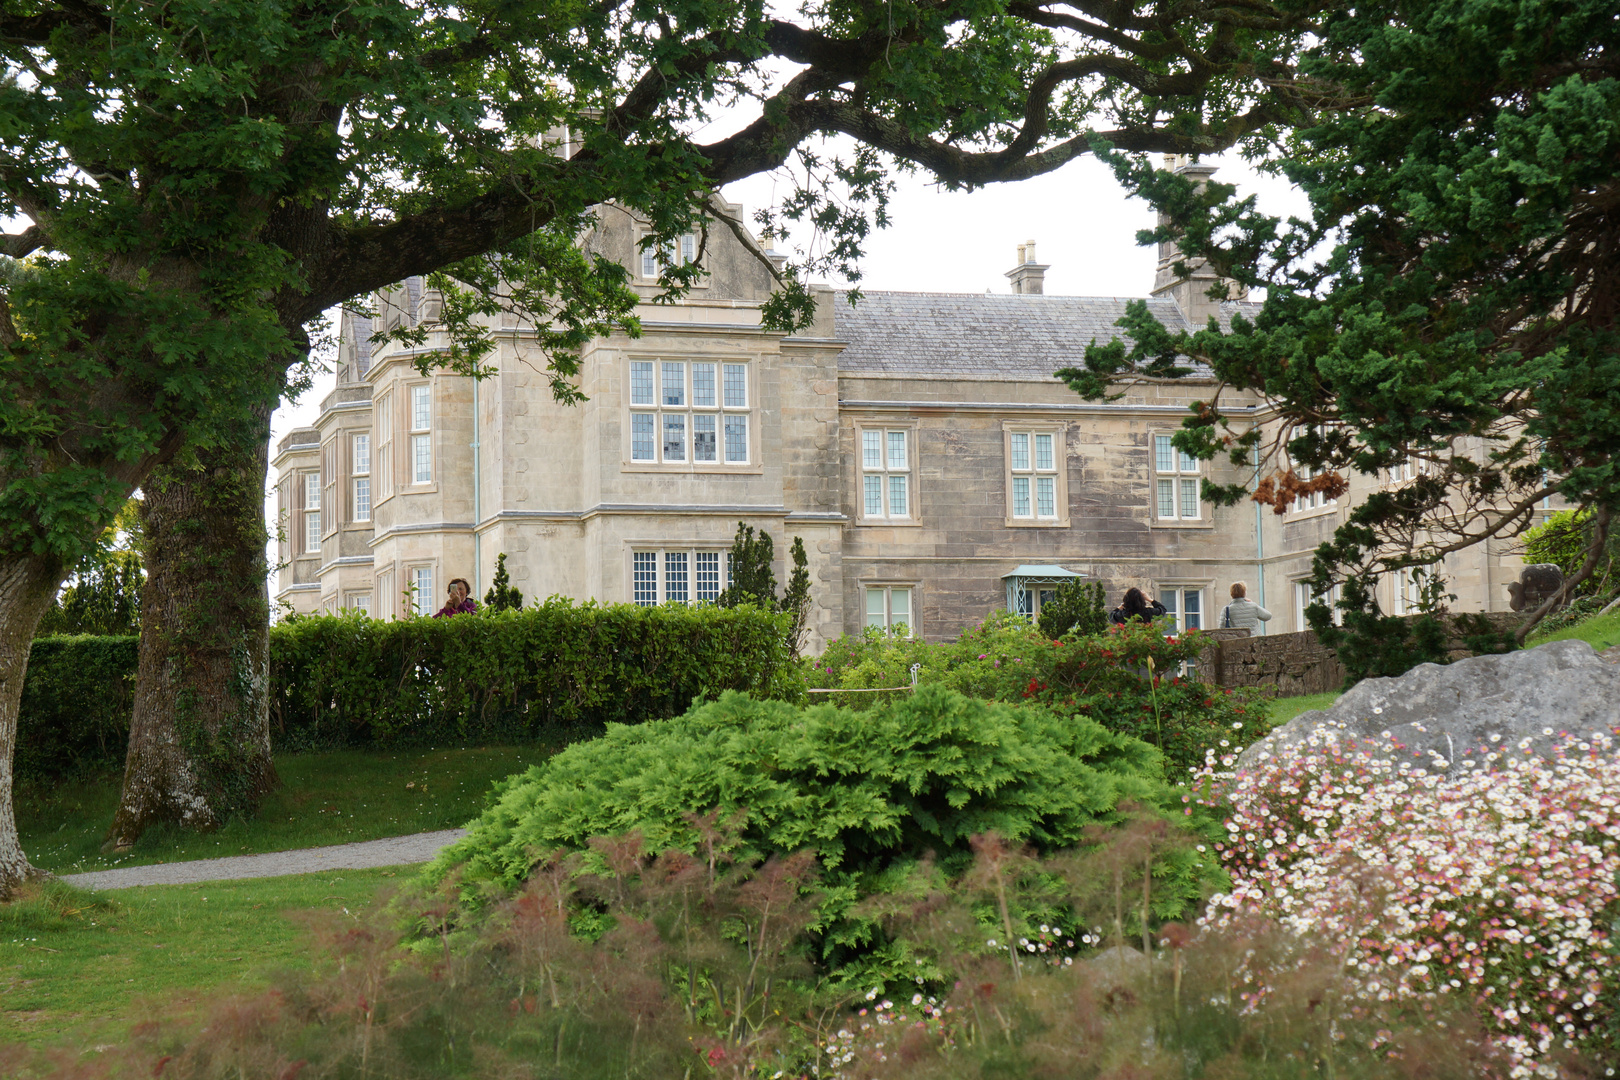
(395, 851)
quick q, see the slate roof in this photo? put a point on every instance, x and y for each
(1013, 335)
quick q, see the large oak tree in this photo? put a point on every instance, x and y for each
(194, 182)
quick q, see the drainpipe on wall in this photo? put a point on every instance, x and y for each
(1259, 543)
(478, 503)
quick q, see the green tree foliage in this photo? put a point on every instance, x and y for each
(870, 793)
(1080, 606)
(104, 594)
(1126, 678)
(502, 595)
(1565, 539)
(752, 579)
(796, 597)
(1450, 298)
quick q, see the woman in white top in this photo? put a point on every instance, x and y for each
(1242, 613)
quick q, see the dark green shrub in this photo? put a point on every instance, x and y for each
(75, 709)
(1080, 607)
(349, 681)
(870, 793)
(1102, 677)
(502, 595)
(353, 681)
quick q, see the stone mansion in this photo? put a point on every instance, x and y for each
(918, 442)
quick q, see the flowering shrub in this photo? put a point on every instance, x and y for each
(1497, 884)
(1128, 678)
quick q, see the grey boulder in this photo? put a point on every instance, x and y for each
(1450, 717)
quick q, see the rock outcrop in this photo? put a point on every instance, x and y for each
(1450, 717)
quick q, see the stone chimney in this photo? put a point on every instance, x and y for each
(1028, 276)
(1191, 294)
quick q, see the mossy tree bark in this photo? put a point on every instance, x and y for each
(28, 584)
(199, 739)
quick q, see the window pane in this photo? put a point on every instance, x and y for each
(703, 385)
(421, 408)
(674, 384)
(312, 491)
(361, 602)
(422, 457)
(1048, 596)
(644, 578)
(875, 613)
(422, 580)
(1188, 462)
(736, 438)
(899, 607)
(899, 504)
(1020, 492)
(1043, 452)
(1020, 450)
(362, 498)
(1163, 454)
(362, 453)
(674, 437)
(1167, 498)
(675, 576)
(736, 376)
(874, 496)
(1189, 498)
(706, 575)
(703, 438)
(871, 449)
(1192, 610)
(688, 248)
(641, 437)
(641, 382)
(649, 262)
(1046, 496)
(897, 450)
(312, 532)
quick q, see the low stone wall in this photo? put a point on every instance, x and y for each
(1286, 665)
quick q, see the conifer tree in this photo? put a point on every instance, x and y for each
(502, 596)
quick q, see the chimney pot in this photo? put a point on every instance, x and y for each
(1028, 277)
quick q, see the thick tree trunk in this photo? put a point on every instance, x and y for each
(199, 740)
(28, 584)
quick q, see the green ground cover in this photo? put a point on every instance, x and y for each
(333, 797)
(1284, 709)
(85, 965)
(1600, 632)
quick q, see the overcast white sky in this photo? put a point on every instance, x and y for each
(1082, 222)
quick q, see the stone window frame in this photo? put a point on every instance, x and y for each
(413, 433)
(382, 450)
(1180, 587)
(752, 411)
(913, 519)
(660, 257)
(384, 595)
(357, 474)
(912, 588)
(661, 566)
(1059, 430)
(410, 570)
(305, 504)
(1205, 518)
(1300, 598)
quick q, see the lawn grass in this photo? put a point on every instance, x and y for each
(1600, 632)
(1286, 708)
(78, 968)
(335, 797)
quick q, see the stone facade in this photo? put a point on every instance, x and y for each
(916, 441)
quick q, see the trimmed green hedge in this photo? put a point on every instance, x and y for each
(353, 681)
(348, 681)
(75, 706)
